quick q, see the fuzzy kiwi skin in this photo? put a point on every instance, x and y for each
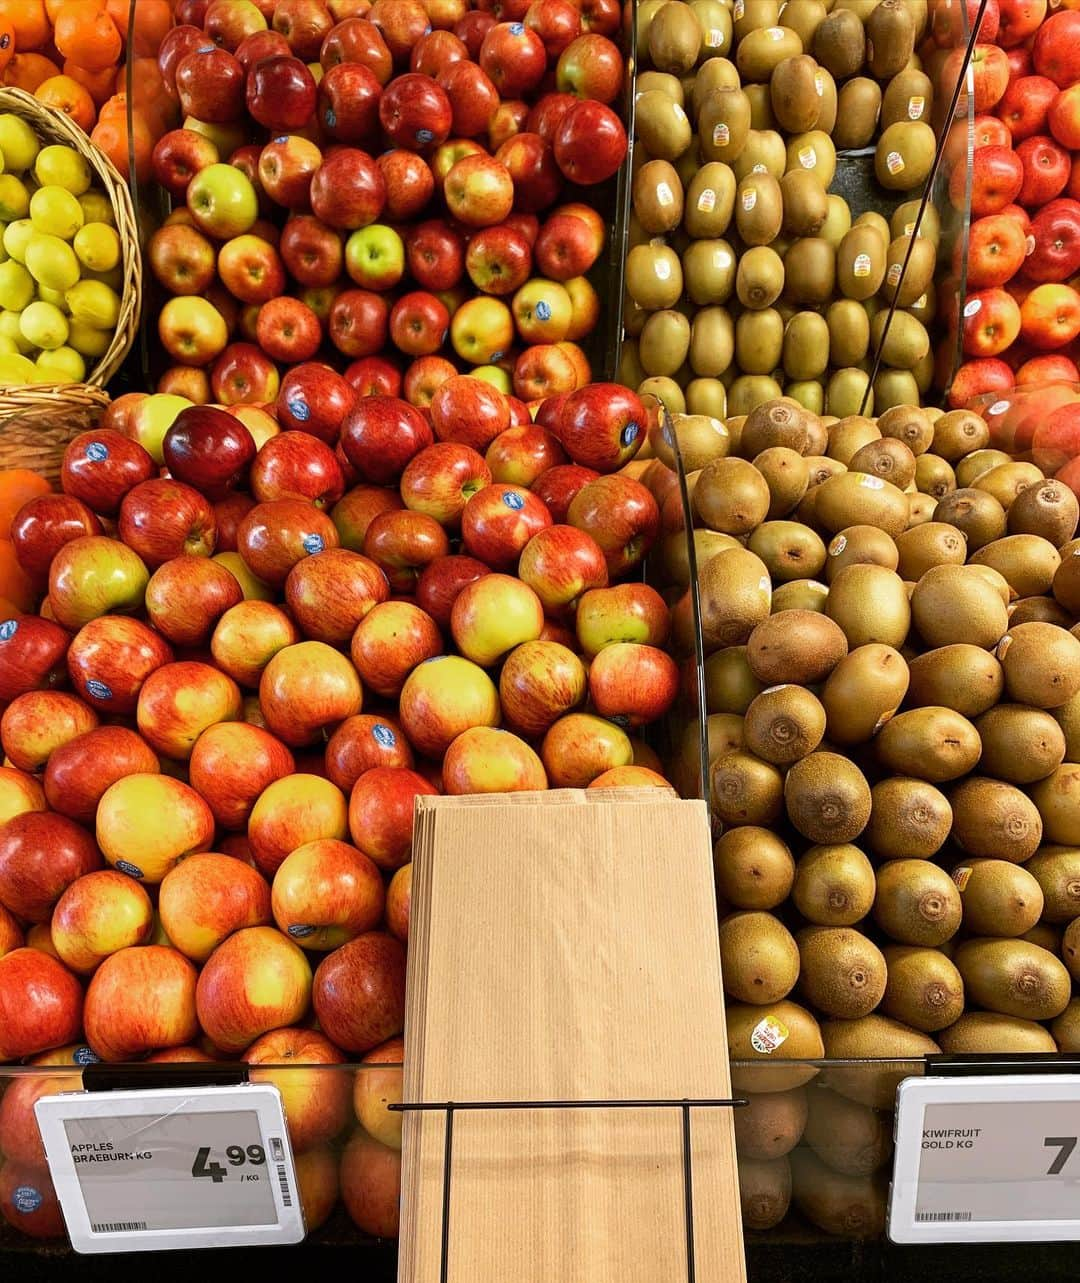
(764, 1191)
(849, 1137)
(924, 988)
(851, 1206)
(771, 1125)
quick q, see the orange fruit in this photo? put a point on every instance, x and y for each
(111, 135)
(7, 42)
(29, 21)
(70, 97)
(18, 486)
(114, 108)
(149, 98)
(28, 70)
(15, 583)
(85, 33)
(98, 84)
(153, 21)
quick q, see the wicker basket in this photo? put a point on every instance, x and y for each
(38, 420)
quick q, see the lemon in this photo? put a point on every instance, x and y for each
(57, 297)
(16, 286)
(97, 246)
(52, 262)
(85, 339)
(114, 278)
(18, 142)
(55, 212)
(62, 166)
(62, 365)
(17, 237)
(11, 329)
(44, 325)
(17, 369)
(97, 208)
(8, 346)
(14, 198)
(94, 303)
(4, 255)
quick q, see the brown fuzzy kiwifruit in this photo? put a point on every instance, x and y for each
(834, 885)
(784, 723)
(909, 424)
(863, 691)
(987, 1031)
(908, 818)
(959, 432)
(842, 973)
(995, 820)
(731, 496)
(724, 732)
(1019, 744)
(999, 898)
(801, 594)
(779, 422)
(746, 790)
(958, 604)
(851, 1206)
(827, 798)
(888, 458)
(870, 603)
(920, 508)
(849, 435)
(916, 903)
(789, 549)
(934, 543)
(1014, 978)
(933, 476)
(1070, 948)
(1046, 935)
(857, 498)
(1057, 871)
(973, 465)
(1041, 664)
(787, 474)
(965, 678)
(769, 1036)
(1008, 480)
(976, 514)
(860, 545)
(1066, 585)
(764, 1190)
(1028, 563)
(730, 684)
(1058, 800)
(759, 959)
(753, 867)
(924, 988)
(736, 595)
(770, 1126)
(872, 1037)
(1068, 718)
(1047, 508)
(1038, 610)
(1065, 1029)
(799, 646)
(849, 1137)
(929, 743)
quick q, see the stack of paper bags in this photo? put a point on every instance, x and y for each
(563, 946)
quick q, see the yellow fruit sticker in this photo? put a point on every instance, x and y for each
(961, 876)
(894, 162)
(706, 202)
(807, 157)
(838, 545)
(749, 199)
(861, 266)
(740, 9)
(664, 194)
(721, 135)
(768, 1034)
(894, 274)
(916, 105)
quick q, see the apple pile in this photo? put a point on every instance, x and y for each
(384, 186)
(241, 677)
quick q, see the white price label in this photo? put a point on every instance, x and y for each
(139, 1171)
(987, 1159)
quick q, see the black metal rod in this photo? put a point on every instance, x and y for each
(688, 1181)
(448, 1167)
(450, 1106)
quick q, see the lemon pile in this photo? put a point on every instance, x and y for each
(60, 261)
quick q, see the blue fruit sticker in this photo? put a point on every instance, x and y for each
(299, 931)
(299, 409)
(424, 136)
(313, 544)
(517, 28)
(629, 434)
(543, 310)
(383, 735)
(8, 629)
(99, 690)
(27, 1199)
(84, 1056)
(282, 138)
(132, 870)
(97, 451)
(513, 500)
(330, 118)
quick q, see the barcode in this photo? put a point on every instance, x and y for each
(117, 1227)
(283, 1181)
(942, 1216)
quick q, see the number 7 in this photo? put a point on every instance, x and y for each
(1066, 1145)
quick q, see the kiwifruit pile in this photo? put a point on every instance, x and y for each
(746, 278)
(889, 613)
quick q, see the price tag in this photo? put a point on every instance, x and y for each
(987, 1159)
(139, 1171)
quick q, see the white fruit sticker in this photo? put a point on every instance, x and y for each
(740, 9)
(664, 194)
(706, 202)
(663, 269)
(765, 584)
(871, 483)
(819, 84)
(714, 38)
(916, 105)
(838, 545)
(721, 135)
(774, 33)
(920, 302)
(807, 157)
(768, 1034)
(759, 168)
(894, 162)
(1029, 245)
(749, 199)
(972, 306)
(961, 876)
(894, 273)
(862, 265)
(999, 407)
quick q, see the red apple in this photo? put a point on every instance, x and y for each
(32, 651)
(326, 893)
(81, 770)
(591, 66)
(471, 29)
(41, 855)
(358, 323)
(348, 190)
(632, 684)
(402, 543)
(441, 479)
(558, 486)
(1047, 369)
(287, 165)
(1056, 233)
(356, 510)
(42, 526)
(996, 251)
(348, 108)
(20, 793)
(316, 1100)
(243, 374)
(248, 636)
(210, 85)
(357, 40)
(423, 379)
(360, 744)
(544, 369)
(389, 642)
(315, 399)
(329, 594)
(1046, 171)
(255, 981)
(973, 378)
(492, 760)
(492, 615)
(399, 903)
(590, 144)
(374, 376)
(442, 698)
(37, 723)
(440, 583)
(208, 449)
(479, 191)
(509, 119)
(305, 24)
(1050, 316)
(100, 467)
(41, 1005)
(560, 564)
(435, 254)
(305, 688)
(178, 156)
(29, 1204)
(539, 683)
(522, 453)
(419, 323)
(991, 323)
(470, 411)
(473, 98)
(371, 1176)
(231, 764)
(415, 112)
(297, 465)
(97, 916)
(602, 426)
(288, 330)
(447, 156)
(513, 55)
(402, 23)
(94, 575)
(139, 1000)
(110, 658)
(436, 51)
(499, 521)
(160, 519)
(1056, 49)
(259, 45)
(1025, 106)
(499, 260)
(410, 183)
(181, 259)
(359, 991)
(281, 94)
(556, 22)
(381, 434)
(312, 251)
(175, 46)
(621, 515)
(179, 701)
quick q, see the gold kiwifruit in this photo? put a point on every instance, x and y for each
(730, 684)
(957, 604)
(933, 476)
(654, 276)
(724, 732)
(789, 549)
(759, 51)
(1058, 800)
(858, 498)
(858, 107)
(759, 959)
(764, 1190)
(750, 390)
(746, 790)
(1070, 947)
(904, 154)
(850, 1206)
(787, 475)
(759, 277)
(1066, 586)
(810, 271)
(909, 95)
(902, 342)
(1008, 480)
(715, 73)
(916, 903)
(674, 552)
(929, 743)
(705, 395)
(764, 153)
(935, 543)
(1057, 871)
(794, 91)
(851, 1138)
(1047, 508)
(920, 508)
(662, 125)
(754, 14)
(709, 202)
(1028, 562)
(909, 818)
(736, 596)
(1067, 717)
(910, 425)
(860, 545)
(909, 268)
(759, 341)
(1038, 610)
(1014, 978)
(965, 678)
(895, 387)
(801, 594)
(664, 342)
(783, 724)
(769, 1036)
(1065, 1029)
(860, 263)
(805, 203)
(849, 332)
(839, 43)
(972, 466)
(870, 604)
(712, 343)
(731, 496)
(827, 798)
(674, 39)
(849, 435)
(995, 820)
(723, 123)
(904, 216)
(924, 988)
(978, 515)
(848, 392)
(959, 432)
(800, 646)
(1041, 664)
(873, 1037)
(986, 1031)
(671, 85)
(658, 197)
(770, 1126)
(754, 868)
(821, 466)
(834, 885)
(1019, 744)
(780, 422)
(888, 458)
(863, 692)
(715, 21)
(842, 973)
(999, 898)
(804, 17)
(890, 38)
(699, 437)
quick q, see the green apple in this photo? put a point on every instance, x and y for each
(62, 365)
(375, 257)
(16, 286)
(55, 212)
(94, 304)
(51, 261)
(44, 325)
(17, 369)
(18, 142)
(496, 376)
(192, 330)
(222, 201)
(14, 198)
(97, 246)
(97, 208)
(63, 167)
(88, 341)
(17, 237)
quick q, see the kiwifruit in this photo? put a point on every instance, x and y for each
(1047, 508)
(859, 498)
(995, 820)
(965, 678)
(908, 818)
(1067, 717)
(849, 1137)
(821, 467)
(908, 424)
(746, 790)
(1019, 744)
(1066, 585)
(779, 1032)
(1038, 610)
(764, 1190)
(1028, 562)
(906, 285)
(837, 222)
(920, 509)
(834, 885)
(654, 276)
(827, 798)
(670, 84)
(849, 332)
(916, 902)
(1008, 480)
(863, 692)
(674, 39)
(999, 898)
(758, 209)
(716, 25)
(754, 14)
(851, 1206)
(840, 43)
(972, 466)
(953, 604)
(725, 734)
(888, 458)
(770, 1126)
(904, 155)
(795, 645)
(664, 342)
(860, 263)
(805, 202)
(909, 95)
(1065, 1029)
(933, 476)
(784, 723)
(754, 868)
(705, 395)
(662, 125)
(674, 552)
(934, 543)
(658, 197)
(959, 432)
(759, 278)
(903, 217)
(858, 107)
(976, 514)
(1057, 871)
(764, 153)
(778, 423)
(1041, 663)
(849, 435)
(699, 437)
(810, 271)
(709, 201)
(848, 392)
(759, 958)
(735, 596)
(986, 1031)
(749, 390)
(759, 51)
(806, 347)
(730, 684)
(731, 496)
(714, 73)
(1046, 936)
(924, 988)
(897, 387)
(873, 1037)
(857, 546)
(759, 340)
(995, 579)
(929, 743)
(787, 475)
(1014, 978)
(890, 38)
(1070, 947)
(712, 344)
(1058, 800)
(842, 973)
(793, 92)
(800, 594)
(804, 17)
(870, 604)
